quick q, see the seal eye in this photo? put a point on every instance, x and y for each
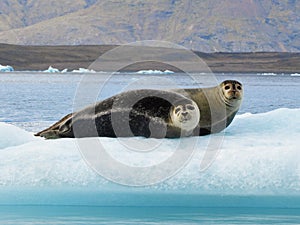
(239, 88)
(190, 107)
(177, 110)
(227, 87)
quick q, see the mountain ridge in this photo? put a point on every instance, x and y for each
(201, 25)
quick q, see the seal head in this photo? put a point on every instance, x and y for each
(185, 116)
(231, 92)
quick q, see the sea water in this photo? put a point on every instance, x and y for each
(254, 178)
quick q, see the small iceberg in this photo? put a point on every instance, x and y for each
(83, 70)
(267, 74)
(51, 70)
(6, 68)
(154, 72)
(295, 74)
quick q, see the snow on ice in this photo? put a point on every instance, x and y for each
(259, 156)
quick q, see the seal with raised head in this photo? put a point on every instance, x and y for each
(218, 105)
(148, 113)
(154, 113)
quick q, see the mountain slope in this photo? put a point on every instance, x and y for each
(204, 25)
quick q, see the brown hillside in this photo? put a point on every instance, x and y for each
(202, 25)
(74, 57)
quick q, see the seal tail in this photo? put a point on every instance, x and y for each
(52, 131)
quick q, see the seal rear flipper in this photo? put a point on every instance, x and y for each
(62, 132)
(50, 134)
(55, 126)
(66, 129)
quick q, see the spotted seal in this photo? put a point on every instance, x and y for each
(155, 113)
(145, 112)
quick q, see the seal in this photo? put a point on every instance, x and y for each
(218, 105)
(145, 112)
(154, 113)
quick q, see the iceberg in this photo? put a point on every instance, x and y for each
(267, 74)
(258, 164)
(6, 68)
(83, 70)
(155, 72)
(51, 70)
(64, 71)
(295, 74)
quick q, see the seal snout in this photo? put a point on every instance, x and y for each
(184, 114)
(185, 118)
(234, 94)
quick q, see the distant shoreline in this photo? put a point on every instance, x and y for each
(24, 58)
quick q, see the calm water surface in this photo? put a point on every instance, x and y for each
(145, 215)
(34, 100)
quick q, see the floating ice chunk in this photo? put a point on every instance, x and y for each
(6, 68)
(267, 74)
(51, 70)
(13, 136)
(83, 70)
(259, 157)
(64, 71)
(295, 74)
(154, 72)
